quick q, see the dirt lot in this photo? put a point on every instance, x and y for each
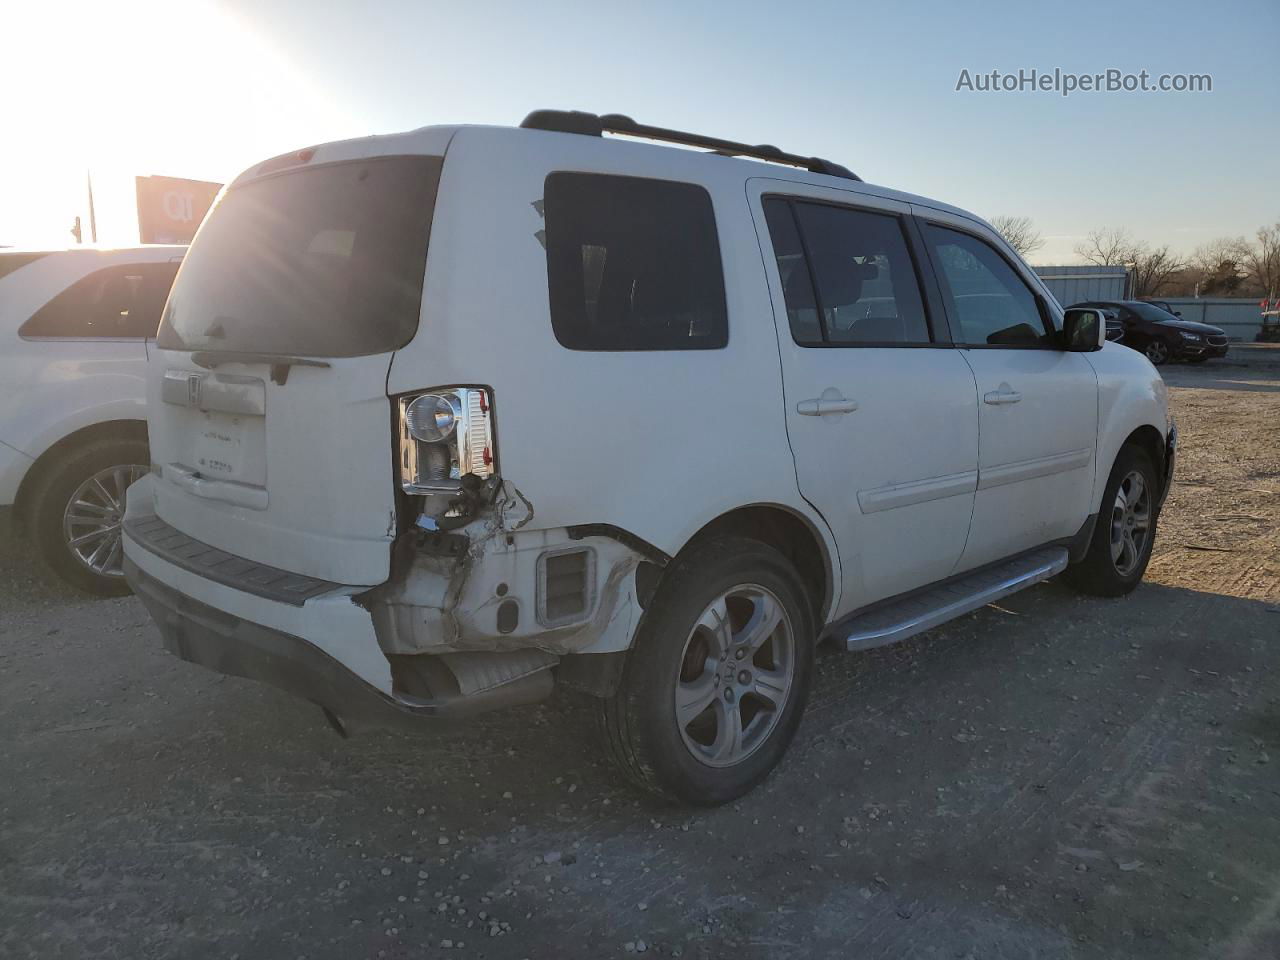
(1055, 777)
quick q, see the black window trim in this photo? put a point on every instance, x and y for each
(939, 333)
(819, 313)
(240, 183)
(1042, 307)
(81, 339)
(718, 246)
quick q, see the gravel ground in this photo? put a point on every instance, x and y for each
(1053, 777)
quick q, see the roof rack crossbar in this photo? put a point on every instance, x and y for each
(594, 125)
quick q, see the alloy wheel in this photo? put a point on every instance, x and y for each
(91, 521)
(1157, 352)
(1130, 523)
(736, 674)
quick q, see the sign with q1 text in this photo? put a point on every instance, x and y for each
(170, 209)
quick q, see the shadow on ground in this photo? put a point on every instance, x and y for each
(1057, 777)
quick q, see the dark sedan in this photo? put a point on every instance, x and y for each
(1158, 334)
(1165, 306)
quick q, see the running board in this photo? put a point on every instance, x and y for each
(936, 605)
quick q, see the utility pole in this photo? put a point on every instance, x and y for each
(93, 220)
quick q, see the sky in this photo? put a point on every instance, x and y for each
(203, 89)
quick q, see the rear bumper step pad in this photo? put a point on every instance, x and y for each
(170, 544)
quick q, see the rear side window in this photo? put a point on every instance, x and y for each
(994, 305)
(321, 261)
(633, 264)
(793, 270)
(850, 281)
(119, 301)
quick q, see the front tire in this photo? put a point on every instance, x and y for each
(78, 509)
(1120, 548)
(718, 677)
(1157, 351)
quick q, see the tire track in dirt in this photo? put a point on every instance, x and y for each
(1249, 569)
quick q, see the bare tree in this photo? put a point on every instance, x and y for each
(1109, 247)
(1209, 255)
(1019, 233)
(1152, 269)
(1261, 259)
(1217, 268)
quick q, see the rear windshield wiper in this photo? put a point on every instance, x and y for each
(279, 365)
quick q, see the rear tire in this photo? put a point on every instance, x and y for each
(728, 634)
(95, 475)
(1120, 548)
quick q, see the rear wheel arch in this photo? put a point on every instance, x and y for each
(123, 430)
(791, 534)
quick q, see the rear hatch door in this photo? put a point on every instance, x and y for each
(268, 410)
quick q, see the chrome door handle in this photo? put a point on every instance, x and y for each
(1002, 396)
(825, 405)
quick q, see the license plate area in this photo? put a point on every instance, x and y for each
(230, 447)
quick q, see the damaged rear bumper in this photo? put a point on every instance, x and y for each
(461, 627)
(201, 634)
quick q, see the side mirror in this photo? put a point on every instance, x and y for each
(1083, 330)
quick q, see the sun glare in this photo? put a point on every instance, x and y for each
(181, 89)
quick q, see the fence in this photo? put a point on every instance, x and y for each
(1240, 317)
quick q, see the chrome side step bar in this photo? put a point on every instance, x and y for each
(935, 606)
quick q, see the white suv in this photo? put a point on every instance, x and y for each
(73, 432)
(447, 419)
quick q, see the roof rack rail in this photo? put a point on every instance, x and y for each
(594, 125)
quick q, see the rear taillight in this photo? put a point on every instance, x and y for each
(445, 437)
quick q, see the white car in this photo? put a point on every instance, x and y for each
(444, 420)
(73, 434)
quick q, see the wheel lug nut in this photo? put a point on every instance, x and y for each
(728, 695)
(744, 677)
(740, 652)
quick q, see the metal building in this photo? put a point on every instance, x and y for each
(1076, 283)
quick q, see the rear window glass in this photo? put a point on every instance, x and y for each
(119, 301)
(1149, 311)
(633, 264)
(324, 261)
